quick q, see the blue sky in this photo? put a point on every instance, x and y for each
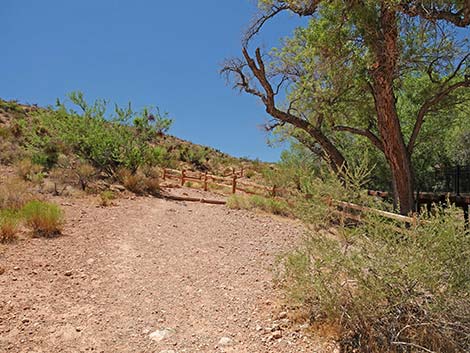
(163, 53)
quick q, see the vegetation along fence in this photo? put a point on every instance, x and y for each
(230, 184)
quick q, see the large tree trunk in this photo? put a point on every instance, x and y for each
(385, 48)
(395, 149)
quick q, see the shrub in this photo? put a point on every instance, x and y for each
(45, 219)
(270, 205)
(141, 182)
(107, 141)
(106, 198)
(14, 193)
(28, 170)
(8, 226)
(386, 288)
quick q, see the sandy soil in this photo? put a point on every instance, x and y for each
(149, 275)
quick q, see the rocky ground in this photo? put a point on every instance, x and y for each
(150, 275)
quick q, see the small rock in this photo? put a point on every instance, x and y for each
(160, 335)
(282, 315)
(2, 271)
(117, 187)
(16, 268)
(68, 273)
(277, 334)
(225, 341)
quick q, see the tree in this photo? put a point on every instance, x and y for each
(345, 74)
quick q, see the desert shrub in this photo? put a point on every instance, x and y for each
(270, 205)
(9, 224)
(196, 155)
(45, 219)
(106, 198)
(9, 152)
(143, 181)
(28, 170)
(249, 174)
(14, 193)
(120, 139)
(383, 286)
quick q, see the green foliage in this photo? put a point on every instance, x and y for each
(382, 286)
(106, 198)
(270, 205)
(108, 143)
(45, 219)
(9, 226)
(196, 155)
(296, 165)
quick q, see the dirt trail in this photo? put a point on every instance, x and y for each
(199, 275)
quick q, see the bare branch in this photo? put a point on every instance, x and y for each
(258, 69)
(259, 22)
(304, 8)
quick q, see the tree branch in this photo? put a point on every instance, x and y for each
(303, 8)
(429, 104)
(259, 71)
(366, 133)
(460, 18)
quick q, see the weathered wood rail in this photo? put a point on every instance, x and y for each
(231, 184)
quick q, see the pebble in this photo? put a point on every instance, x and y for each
(225, 341)
(68, 273)
(160, 335)
(282, 315)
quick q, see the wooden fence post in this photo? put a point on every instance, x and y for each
(234, 184)
(164, 173)
(205, 181)
(182, 177)
(242, 172)
(274, 191)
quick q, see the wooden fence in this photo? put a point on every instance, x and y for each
(354, 212)
(231, 184)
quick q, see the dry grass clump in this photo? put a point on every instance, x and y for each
(45, 219)
(14, 193)
(29, 171)
(9, 225)
(141, 182)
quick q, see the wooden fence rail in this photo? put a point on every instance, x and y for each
(233, 182)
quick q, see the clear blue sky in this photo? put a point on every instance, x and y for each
(164, 53)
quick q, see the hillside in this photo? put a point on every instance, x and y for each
(182, 153)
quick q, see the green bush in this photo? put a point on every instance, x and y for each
(9, 225)
(45, 219)
(385, 287)
(106, 141)
(269, 205)
(106, 198)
